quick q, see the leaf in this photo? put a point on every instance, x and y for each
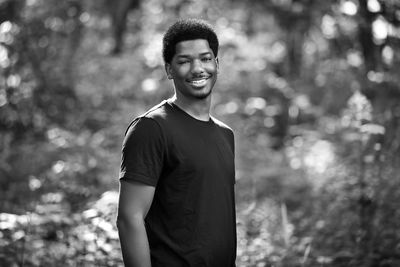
(371, 128)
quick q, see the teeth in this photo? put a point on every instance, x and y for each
(201, 82)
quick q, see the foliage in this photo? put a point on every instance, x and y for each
(311, 89)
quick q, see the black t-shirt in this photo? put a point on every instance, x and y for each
(191, 221)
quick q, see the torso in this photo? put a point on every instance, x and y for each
(192, 218)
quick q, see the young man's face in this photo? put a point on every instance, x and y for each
(193, 68)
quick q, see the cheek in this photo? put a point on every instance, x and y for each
(213, 66)
(212, 69)
(181, 72)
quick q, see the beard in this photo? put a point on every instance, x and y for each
(196, 95)
(203, 95)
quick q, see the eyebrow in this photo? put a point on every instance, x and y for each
(189, 56)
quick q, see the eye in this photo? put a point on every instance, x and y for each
(206, 59)
(183, 62)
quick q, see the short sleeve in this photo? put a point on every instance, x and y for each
(142, 152)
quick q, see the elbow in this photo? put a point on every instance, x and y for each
(119, 222)
(129, 221)
(123, 221)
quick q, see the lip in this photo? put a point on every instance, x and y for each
(198, 82)
(199, 78)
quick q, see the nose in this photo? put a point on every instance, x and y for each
(197, 67)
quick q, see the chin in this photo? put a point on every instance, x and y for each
(203, 95)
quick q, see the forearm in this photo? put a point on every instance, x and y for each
(134, 242)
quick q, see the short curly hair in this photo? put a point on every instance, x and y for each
(185, 30)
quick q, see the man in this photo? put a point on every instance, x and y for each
(176, 205)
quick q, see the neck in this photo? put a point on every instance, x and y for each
(198, 108)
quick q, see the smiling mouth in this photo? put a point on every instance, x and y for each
(198, 82)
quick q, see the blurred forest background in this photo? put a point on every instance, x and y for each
(311, 89)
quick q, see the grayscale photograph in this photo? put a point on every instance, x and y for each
(199, 133)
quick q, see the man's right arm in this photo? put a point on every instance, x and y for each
(134, 202)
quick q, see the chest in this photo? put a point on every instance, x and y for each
(202, 156)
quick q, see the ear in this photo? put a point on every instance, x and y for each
(217, 63)
(168, 70)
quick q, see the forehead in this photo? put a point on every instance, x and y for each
(192, 47)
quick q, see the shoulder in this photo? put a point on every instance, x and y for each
(148, 122)
(222, 125)
(150, 119)
(157, 112)
(225, 129)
